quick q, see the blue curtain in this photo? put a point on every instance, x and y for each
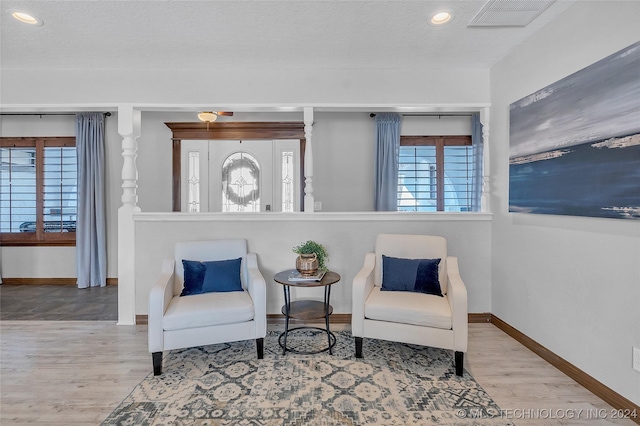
(91, 244)
(386, 166)
(476, 179)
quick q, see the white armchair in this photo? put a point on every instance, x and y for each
(202, 319)
(410, 317)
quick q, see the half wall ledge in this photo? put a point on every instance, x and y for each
(314, 217)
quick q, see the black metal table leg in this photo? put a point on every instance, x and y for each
(287, 304)
(327, 298)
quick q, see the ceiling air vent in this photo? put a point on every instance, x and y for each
(509, 13)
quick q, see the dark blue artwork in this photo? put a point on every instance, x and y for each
(575, 145)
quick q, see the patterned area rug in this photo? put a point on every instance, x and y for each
(225, 384)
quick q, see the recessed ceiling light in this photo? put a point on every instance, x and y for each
(440, 18)
(26, 18)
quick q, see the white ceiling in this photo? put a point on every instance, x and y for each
(275, 34)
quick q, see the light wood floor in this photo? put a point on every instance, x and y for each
(77, 372)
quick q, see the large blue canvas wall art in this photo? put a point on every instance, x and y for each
(575, 144)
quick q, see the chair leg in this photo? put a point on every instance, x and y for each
(358, 347)
(157, 363)
(459, 363)
(260, 347)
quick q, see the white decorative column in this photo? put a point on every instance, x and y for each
(308, 161)
(129, 120)
(485, 202)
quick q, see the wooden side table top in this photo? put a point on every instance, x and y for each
(283, 278)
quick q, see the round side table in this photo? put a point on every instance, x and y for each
(306, 309)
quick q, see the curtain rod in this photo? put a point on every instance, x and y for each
(107, 114)
(428, 115)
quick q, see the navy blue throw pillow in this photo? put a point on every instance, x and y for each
(222, 275)
(417, 275)
(193, 277)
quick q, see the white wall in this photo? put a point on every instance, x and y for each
(347, 237)
(343, 157)
(255, 85)
(570, 283)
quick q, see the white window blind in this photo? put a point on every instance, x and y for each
(18, 190)
(60, 199)
(435, 173)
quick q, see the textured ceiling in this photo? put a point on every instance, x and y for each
(274, 34)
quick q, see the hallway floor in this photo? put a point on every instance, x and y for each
(58, 303)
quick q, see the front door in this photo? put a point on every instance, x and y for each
(240, 176)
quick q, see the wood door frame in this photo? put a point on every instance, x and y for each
(231, 131)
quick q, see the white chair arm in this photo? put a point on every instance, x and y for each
(362, 285)
(159, 298)
(257, 289)
(457, 296)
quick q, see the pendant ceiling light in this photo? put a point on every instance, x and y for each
(208, 117)
(211, 116)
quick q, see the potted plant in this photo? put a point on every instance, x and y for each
(311, 257)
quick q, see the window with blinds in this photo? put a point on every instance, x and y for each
(38, 191)
(60, 193)
(435, 173)
(18, 189)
